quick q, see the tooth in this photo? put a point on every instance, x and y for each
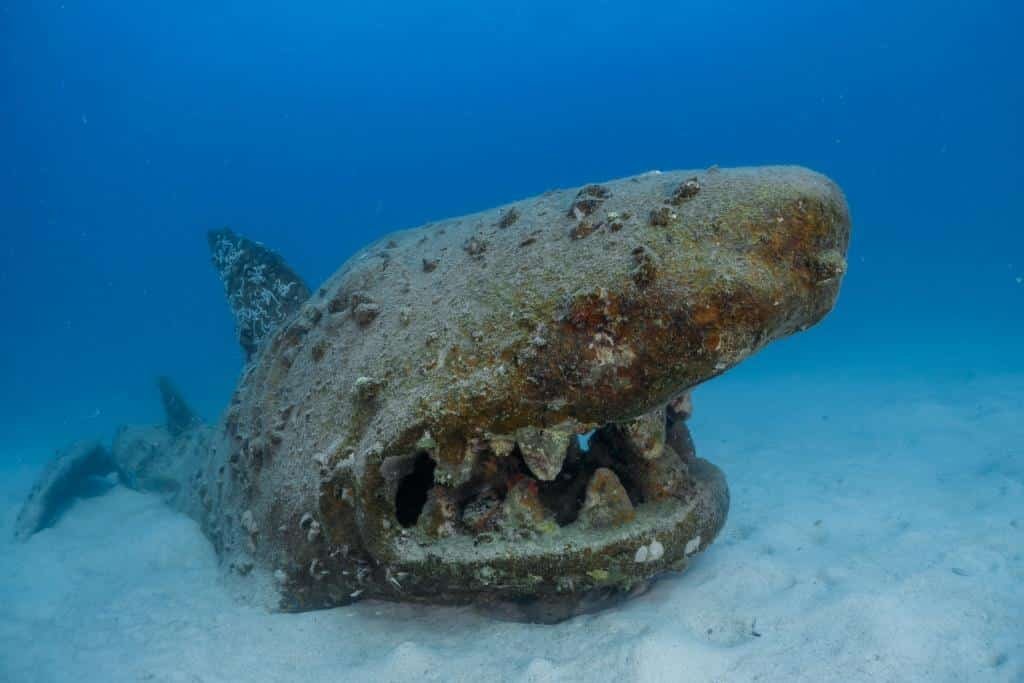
(482, 512)
(522, 508)
(607, 504)
(646, 434)
(544, 450)
(681, 406)
(501, 446)
(677, 434)
(439, 514)
(662, 478)
(455, 460)
(679, 440)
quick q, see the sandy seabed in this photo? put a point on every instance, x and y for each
(876, 534)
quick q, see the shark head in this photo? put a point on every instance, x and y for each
(491, 409)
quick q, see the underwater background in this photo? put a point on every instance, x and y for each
(130, 129)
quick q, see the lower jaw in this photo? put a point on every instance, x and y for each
(557, 575)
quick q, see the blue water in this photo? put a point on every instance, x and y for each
(131, 128)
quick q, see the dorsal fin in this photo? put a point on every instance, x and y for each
(180, 417)
(262, 289)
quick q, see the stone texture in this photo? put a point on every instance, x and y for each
(544, 450)
(517, 330)
(57, 485)
(261, 288)
(523, 327)
(180, 417)
(523, 511)
(144, 459)
(646, 434)
(607, 504)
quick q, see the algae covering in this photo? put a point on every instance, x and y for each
(491, 409)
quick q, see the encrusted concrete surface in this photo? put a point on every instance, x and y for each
(491, 409)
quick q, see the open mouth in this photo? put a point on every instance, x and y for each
(554, 513)
(539, 481)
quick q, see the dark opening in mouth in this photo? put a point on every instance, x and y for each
(538, 480)
(413, 490)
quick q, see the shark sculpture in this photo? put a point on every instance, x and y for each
(489, 409)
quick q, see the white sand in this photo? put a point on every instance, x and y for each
(876, 534)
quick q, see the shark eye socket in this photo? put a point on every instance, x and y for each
(413, 490)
